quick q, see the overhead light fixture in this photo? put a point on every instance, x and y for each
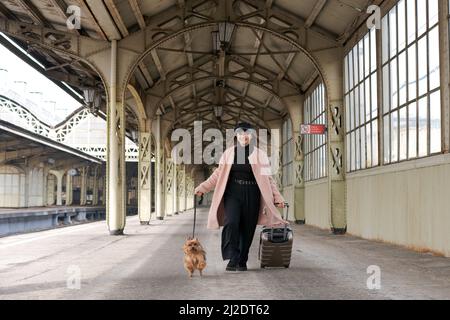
(222, 38)
(97, 104)
(134, 136)
(89, 95)
(216, 41)
(218, 111)
(226, 30)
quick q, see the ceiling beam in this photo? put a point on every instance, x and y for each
(320, 4)
(7, 13)
(34, 13)
(146, 74)
(158, 64)
(137, 13)
(117, 17)
(87, 12)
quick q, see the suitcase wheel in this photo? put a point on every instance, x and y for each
(286, 266)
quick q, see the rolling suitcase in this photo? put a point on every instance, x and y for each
(275, 245)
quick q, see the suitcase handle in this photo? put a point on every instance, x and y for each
(286, 204)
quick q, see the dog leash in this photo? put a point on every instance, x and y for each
(195, 213)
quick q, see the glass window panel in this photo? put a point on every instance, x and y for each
(412, 73)
(369, 145)
(403, 138)
(375, 159)
(394, 136)
(362, 101)
(366, 55)
(412, 130)
(374, 97)
(386, 91)
(422, 58)
(435, 122)
(361, 60)
(368, 100)
(421, 17)
(423, 127)
(347, 113)
(394, 84)
(350, 69)
(373, 51)
(353, 149)
(385, 39)
(357, 150)
(387, 141)
(433, 14)
(411, 16)
(401, 25)
(393, 32)
(356, 107)
(402, 78)
(355, 64)
(348, 148)
(363, 147)
(433, 45)
(346, 74)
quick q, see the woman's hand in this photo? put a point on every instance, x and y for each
(197, 192)
(280, 205)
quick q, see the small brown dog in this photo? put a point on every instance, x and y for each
(194, 256)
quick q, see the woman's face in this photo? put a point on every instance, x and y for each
(244, 137)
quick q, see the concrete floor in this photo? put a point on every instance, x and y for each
(146, 263)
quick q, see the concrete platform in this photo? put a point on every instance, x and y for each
(23, 220)
(13, 221)
(146, 263)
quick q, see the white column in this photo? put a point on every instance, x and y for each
(95, 186)
(145, 181)
(116, 189)
(83, 189)
(181, 189)
(175, 189)
(59, 191)
(159, 168)
(69, 190)
(168, 175)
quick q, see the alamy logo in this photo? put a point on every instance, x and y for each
(74, 278)
(374, 281)
(74, 20)
(375, 19)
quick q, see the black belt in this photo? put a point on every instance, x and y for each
(245, 182)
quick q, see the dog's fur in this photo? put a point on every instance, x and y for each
(194, 256)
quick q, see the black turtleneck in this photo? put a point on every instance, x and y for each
(243, 169)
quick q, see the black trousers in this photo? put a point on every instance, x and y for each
(242, 204)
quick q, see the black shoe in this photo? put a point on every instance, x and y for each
(231, 266)
(242, 267)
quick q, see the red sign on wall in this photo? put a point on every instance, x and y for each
(313, 129)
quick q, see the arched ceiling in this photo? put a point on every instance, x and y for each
(185, 75)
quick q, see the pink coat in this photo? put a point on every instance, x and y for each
(268, 214)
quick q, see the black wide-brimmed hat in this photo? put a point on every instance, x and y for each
(244, 126)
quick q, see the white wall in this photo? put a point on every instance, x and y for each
(317, 211)
(405, 204)
(12, 186)
(37, 188)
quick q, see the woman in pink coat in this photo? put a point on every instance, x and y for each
(245, 196)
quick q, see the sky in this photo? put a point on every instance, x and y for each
(52, 103)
